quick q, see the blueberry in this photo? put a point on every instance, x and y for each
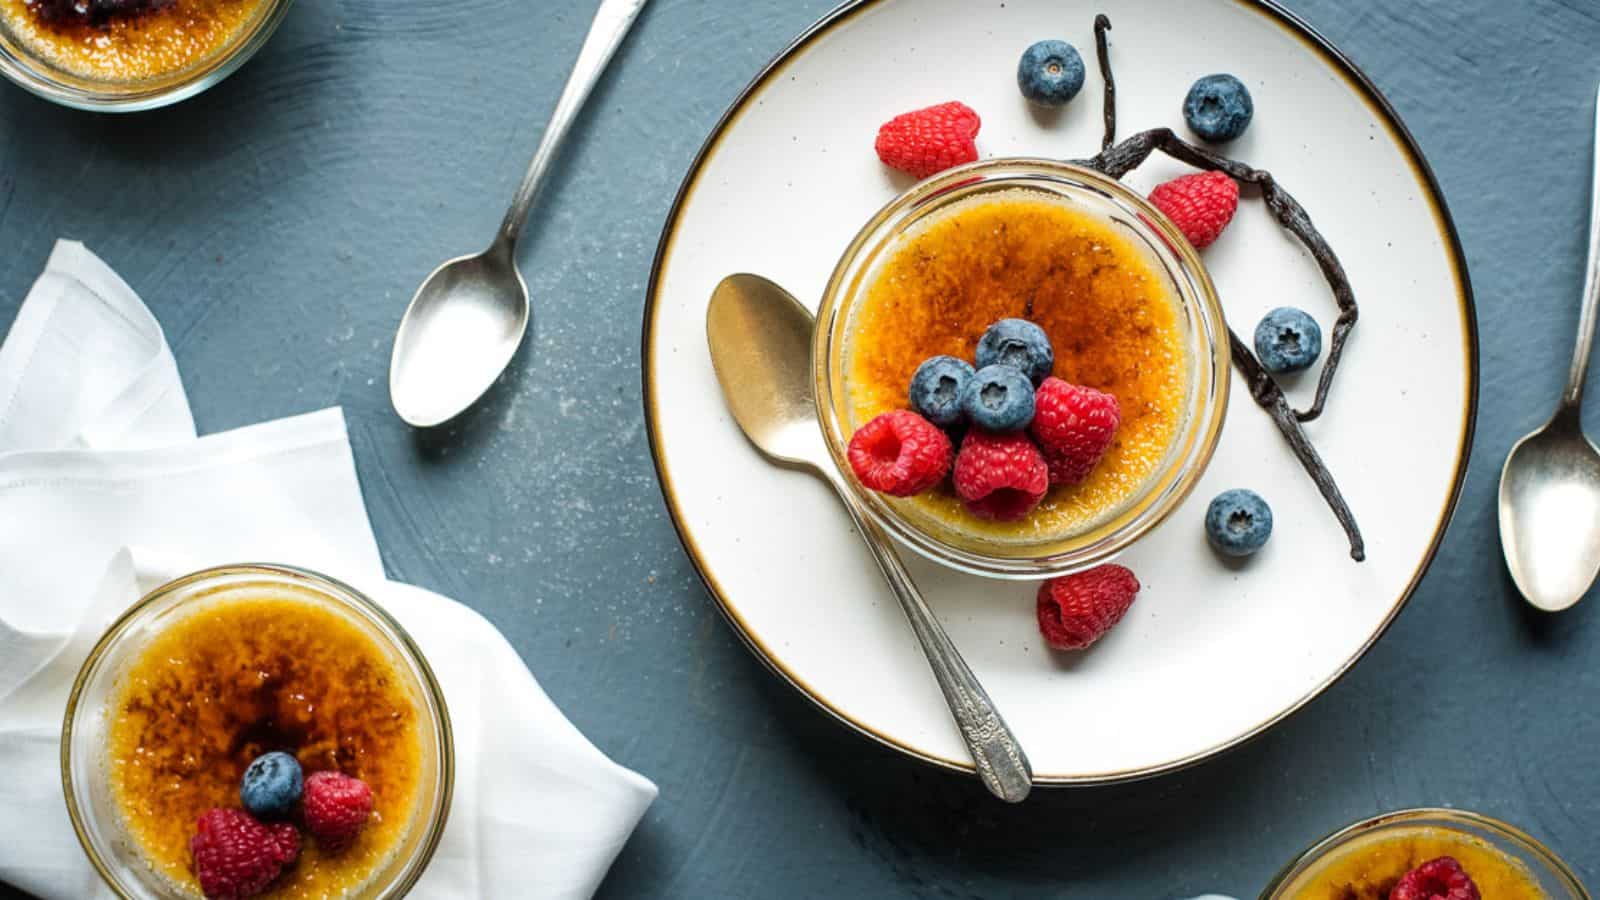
(1238, 522)
(998, 398)
(1218, 108)
(1288, 340)
(271, 785)
(1050, 73)
(1019, 344)
(936, 389)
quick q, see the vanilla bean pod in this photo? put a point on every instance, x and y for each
(1117, 160)
(1102, 24)
(1128, 155)
(1270, 397)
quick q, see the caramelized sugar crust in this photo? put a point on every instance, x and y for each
(243, 676)
(134, 47)
(1113, 322)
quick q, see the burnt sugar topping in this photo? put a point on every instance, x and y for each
(128, 41)
(240, 677)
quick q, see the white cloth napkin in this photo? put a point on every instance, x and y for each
(105, 492)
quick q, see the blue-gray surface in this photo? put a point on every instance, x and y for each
(278, 224)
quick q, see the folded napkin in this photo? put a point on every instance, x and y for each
(105, 493)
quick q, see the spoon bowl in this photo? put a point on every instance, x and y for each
(1550, 514)
(760, 338)
(460, 331)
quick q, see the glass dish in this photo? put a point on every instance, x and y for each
(1205, 337)
(29, 68)
(1552, 875)
(83, 738)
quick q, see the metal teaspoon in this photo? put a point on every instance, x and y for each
(1550, 486)
(760, 339)
(466, 320)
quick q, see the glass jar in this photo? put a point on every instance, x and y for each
(1204, 335)
(85, 767)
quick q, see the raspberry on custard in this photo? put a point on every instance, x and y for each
(1000, 476)
(1074, 427)
(236, 856)
(1077, 610)
(336, 807)
(899, 453)
(1437, 879)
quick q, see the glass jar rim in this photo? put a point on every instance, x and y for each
(330, 588)
(1523, 841)
(1166, 488)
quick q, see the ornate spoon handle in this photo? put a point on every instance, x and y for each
(1001, 764)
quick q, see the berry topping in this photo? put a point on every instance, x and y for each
(1436, 879)
(336, 808)
(1074, 427)
(1019, 344)
(271, 785)
(1050, 73)
(900, 454)
(1288, 340)
(936, 390)
(235, 856)
(998, 398)
(929, 140)
(1238, 522)
(1218, 108)
(1077, 610)
(1000, 476)
(1201, 205)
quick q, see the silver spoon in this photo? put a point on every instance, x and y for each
(760, 340)
(1550, 486)
(466, 320)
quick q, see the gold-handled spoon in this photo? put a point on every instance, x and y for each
(760, 339)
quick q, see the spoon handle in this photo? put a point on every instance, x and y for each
(611, 24)
(1591, 287)
(1001, 764)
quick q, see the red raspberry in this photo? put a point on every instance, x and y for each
(1436, 879)
(1000, 476)
(929, 140)
(1200, 205)
(1074, 427)
(336, 807)
(236, 856)
(900, 454)
(1077, 610)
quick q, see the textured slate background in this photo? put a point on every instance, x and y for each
(278, 224)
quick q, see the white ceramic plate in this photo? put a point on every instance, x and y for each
(1211, 654)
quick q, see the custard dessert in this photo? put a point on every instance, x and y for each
(1114, 323)
(240, 677)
